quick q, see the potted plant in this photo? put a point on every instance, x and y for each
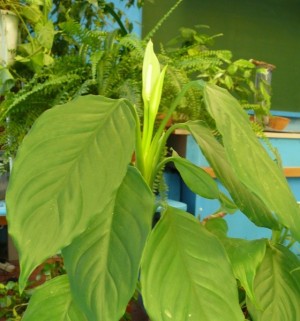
(73, 190)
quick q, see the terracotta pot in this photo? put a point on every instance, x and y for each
(278, 123)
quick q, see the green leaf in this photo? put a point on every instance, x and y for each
(7, 80)
(245, 257)
(277, 286)
(66, 171)
(214, 152)
(249, 160)
(182, 254)
(45, 34)
(228, 82)
(32, 12)
(201, 183)
(218, 226)
(53, 301)
(242, 63)
(105, 259)
(196, 178)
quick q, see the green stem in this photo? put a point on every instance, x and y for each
(283, 235)
(146, 137)
(276, 236)
(111, 11)
(156, 151)
(138, 143)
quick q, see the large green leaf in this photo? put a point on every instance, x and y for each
(249, 160)
(186, 274)
(214, 152)
(277, 287)
(53, 301)
(103, 262)
(66, 171)
(245, 257)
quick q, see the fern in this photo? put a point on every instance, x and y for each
(79, 35)
(161, 21)
(134, 45)
(13, 103)
(259, 130)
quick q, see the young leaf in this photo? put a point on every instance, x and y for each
(277, 286)
(53, 300)
(66, 171)
(201, 183)
(182, 254)
(105, 259)
(249, 160)
(196, 178)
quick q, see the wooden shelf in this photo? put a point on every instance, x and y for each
(288, 171)
(285, 135)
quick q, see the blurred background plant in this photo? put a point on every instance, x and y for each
(74, 48)
(12, 303)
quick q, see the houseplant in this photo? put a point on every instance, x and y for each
(82, 197)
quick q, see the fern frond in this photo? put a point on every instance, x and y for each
(87, 87)
(9, 105)
(134, 44)
(82, 36)
(199, 64)
(161, 21)
(259, 131)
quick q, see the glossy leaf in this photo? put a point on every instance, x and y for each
(245, 257)
(196, 178)
(201, 183)
(53, 301)
(249, 160)
(214, 152)
(217, 226)
(103, 262)
(185, 273)
(65, 173)
(277, 287)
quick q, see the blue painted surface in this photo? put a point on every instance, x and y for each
(289, 150)
(173, 181)
(289, 114)
(2, 208)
